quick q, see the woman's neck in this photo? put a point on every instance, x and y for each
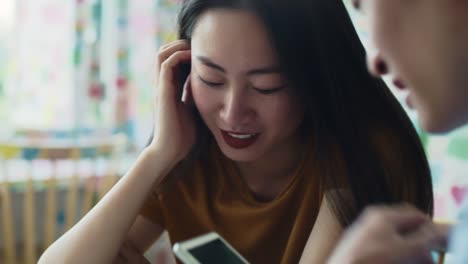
(270, 175)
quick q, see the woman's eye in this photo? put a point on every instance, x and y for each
(269, 91)
(213, 84)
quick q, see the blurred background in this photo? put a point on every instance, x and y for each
(76, 90)
(76, 101)
(81, 66)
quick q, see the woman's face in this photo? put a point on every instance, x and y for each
(423, 44)
(238, 88)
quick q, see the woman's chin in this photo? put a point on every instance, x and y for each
(239, 155)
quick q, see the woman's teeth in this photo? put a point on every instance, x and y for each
(243, 136)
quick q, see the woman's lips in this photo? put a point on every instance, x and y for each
(239, 140)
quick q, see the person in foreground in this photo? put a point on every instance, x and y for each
(280, 141)
(423, 45)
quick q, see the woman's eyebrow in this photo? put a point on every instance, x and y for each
(207, 62)
(264, 70)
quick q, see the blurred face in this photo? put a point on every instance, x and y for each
(423, 45)
(238, 89)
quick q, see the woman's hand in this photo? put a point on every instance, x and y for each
(174, 131)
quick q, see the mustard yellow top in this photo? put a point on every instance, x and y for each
(214, 197)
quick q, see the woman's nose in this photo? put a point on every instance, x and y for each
(236, 111)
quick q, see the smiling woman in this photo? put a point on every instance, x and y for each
(240, 91)
(266, 106)
(280, 140)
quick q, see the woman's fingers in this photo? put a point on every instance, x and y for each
(166, 51)
(168, 82)
(166, 46)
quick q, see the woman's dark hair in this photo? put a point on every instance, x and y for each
(353, 118)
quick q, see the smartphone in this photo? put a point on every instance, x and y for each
(210, 248)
